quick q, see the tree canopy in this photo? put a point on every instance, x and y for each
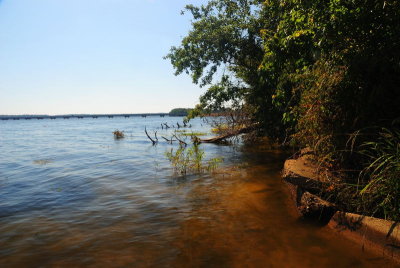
(285, 59)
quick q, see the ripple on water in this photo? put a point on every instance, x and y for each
(71, 195)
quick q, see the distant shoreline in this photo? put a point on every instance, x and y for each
(79, 116)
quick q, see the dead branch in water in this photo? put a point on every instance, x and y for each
(180, 141)
(169, 141)
(228, 135)
(148, 136)
(196, 140)
(155, 135)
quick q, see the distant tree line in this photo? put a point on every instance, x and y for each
(179, 112)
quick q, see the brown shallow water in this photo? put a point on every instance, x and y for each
(241, 216)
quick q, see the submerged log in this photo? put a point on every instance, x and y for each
(228, 135)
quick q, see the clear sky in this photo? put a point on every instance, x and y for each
(92, 56)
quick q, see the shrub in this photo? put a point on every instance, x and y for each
(380, 178)
(319, 112)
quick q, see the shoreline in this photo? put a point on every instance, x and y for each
(305, 180)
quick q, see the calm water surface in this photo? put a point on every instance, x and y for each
(72, 196)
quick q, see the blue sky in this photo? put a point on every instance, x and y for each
(92, 56)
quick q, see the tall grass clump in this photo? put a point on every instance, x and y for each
(380, 178)
(191, 160)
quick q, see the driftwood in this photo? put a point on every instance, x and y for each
(228, 135)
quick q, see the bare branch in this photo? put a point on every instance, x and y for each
(180, 141)
(147, 134)
(169, 141)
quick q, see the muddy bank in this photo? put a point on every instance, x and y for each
(306, 182)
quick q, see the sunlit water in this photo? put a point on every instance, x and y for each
(71, 196)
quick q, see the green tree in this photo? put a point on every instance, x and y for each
(297, 65)
(223, 49)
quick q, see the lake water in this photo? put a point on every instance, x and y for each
(73, 196)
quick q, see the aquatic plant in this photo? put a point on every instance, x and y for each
(118, 134)
(191, 160)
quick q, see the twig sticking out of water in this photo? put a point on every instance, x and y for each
(148, 136)
(181, 142)
(155, 135)
(169, 141)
